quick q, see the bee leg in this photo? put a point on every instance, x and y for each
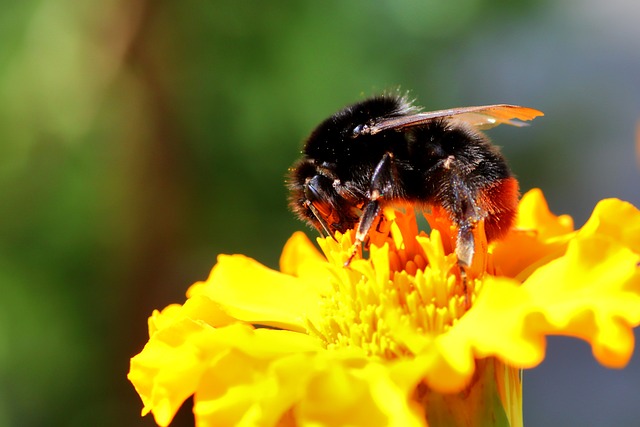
(324, 227)
(381, 182)
(460, 199)
(317, 188)
(465, 288)
(465, 248)
(349, 191)
(369, 214)
(465, 244)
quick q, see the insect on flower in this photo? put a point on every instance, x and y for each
(383, 151)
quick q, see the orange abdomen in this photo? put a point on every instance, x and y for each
(500, 201)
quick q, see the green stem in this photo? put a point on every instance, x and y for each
(493, 399)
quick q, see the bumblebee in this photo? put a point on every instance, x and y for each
(383, 151)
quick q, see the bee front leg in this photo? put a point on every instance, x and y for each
(381, 183)
(320, 223)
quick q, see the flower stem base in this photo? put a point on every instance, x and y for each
(494, 398)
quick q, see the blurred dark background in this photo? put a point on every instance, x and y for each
(139, 139)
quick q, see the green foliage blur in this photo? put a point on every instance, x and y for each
(139, 139)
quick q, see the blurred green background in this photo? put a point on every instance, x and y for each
(139, 139)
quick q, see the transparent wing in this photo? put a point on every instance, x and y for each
(482, 117)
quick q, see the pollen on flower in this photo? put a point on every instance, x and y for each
(393, 303)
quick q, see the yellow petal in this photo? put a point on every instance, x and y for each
(248, 291)
(311, 389)
(595, 297)
(299, 256)
(522, 252)
(228, 390)
(534, 214)
(161, 319)
(339, 393)
(240, 390)
(538, 237)
(591, 293)
(617, 220)
(168, 369)
(198, 307)
(178, 358)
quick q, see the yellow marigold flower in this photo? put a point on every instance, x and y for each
(396, 338)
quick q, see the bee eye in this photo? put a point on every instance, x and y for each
(311, 186)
